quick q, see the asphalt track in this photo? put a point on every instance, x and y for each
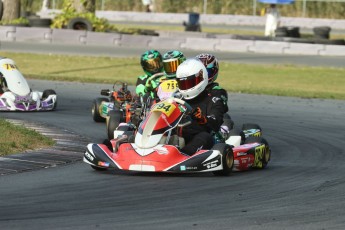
(302, 187)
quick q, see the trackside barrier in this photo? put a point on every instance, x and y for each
(202, 43)
(207, 19)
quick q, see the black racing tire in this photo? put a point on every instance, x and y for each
(95, 109)
(98, 168)
(115, 117)
(250, 126)
(46, 93)
(80, 24)
(227, 159)
(267, 150)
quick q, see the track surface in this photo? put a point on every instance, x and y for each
(302, 188)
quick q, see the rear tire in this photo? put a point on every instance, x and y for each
(227, 159)
(115, 117)
(95, 110)
(267, 150)
(46, 93)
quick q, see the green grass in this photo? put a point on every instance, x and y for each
(14, 139)
(282, 80)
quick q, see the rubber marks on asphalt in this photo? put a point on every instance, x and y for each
(69, 148)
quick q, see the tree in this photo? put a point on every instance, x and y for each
(11, 10)
(84, 6)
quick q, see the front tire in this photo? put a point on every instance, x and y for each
(46, 93)
(98, 168)
(95, 110)
(115, 117)
(227, 159)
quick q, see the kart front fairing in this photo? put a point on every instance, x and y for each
(16, 82)
(18, 96)
(163, 117)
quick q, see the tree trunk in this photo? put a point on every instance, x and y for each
(86, 7)
(11, 10)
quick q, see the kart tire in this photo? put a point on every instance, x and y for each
(95, 109)
(227, 159)
(115, 117)
(46, 93)
(267, 152)
(98, 168)
(250, 126)
(80, 24)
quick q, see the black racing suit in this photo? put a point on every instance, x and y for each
(198, 135)
(215, 90)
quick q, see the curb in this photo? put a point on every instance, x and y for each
(68, 149)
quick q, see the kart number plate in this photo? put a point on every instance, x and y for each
(168, 86)
(165, 108)
(9, 66)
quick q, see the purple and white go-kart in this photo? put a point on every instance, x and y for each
(16, 94)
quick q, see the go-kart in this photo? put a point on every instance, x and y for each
(134, 112)
(16, 94)
(155, 146)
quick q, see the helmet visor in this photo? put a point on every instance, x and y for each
(152, 65)
(190, 81)
(170, 66)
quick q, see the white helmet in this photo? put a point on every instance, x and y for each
(191, 76)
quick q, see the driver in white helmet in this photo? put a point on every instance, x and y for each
(208, 110)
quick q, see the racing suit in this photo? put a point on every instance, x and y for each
(207, 116)
(215, 90)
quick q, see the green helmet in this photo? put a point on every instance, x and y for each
(171, 60)
(151, 62)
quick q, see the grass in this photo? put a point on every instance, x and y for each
(281, 80)
(14, 139)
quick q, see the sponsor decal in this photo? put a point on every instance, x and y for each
(104, 164)
(211, 164)
(241, 154)
(215, 99)
(89, 156)
(9, 66)
(183, 168)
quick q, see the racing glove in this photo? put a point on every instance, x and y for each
(197, 115)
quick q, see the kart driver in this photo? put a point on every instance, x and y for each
(212, 67)
(167, 66)
(207, 109)
(3, 84)
(152, 63)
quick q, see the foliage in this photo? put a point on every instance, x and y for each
(18, 21)
(69, 12)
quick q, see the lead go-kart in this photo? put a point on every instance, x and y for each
(16, 94)
(155, 146)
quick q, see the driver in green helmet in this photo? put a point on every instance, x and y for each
(152, 63)
(166, 67)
